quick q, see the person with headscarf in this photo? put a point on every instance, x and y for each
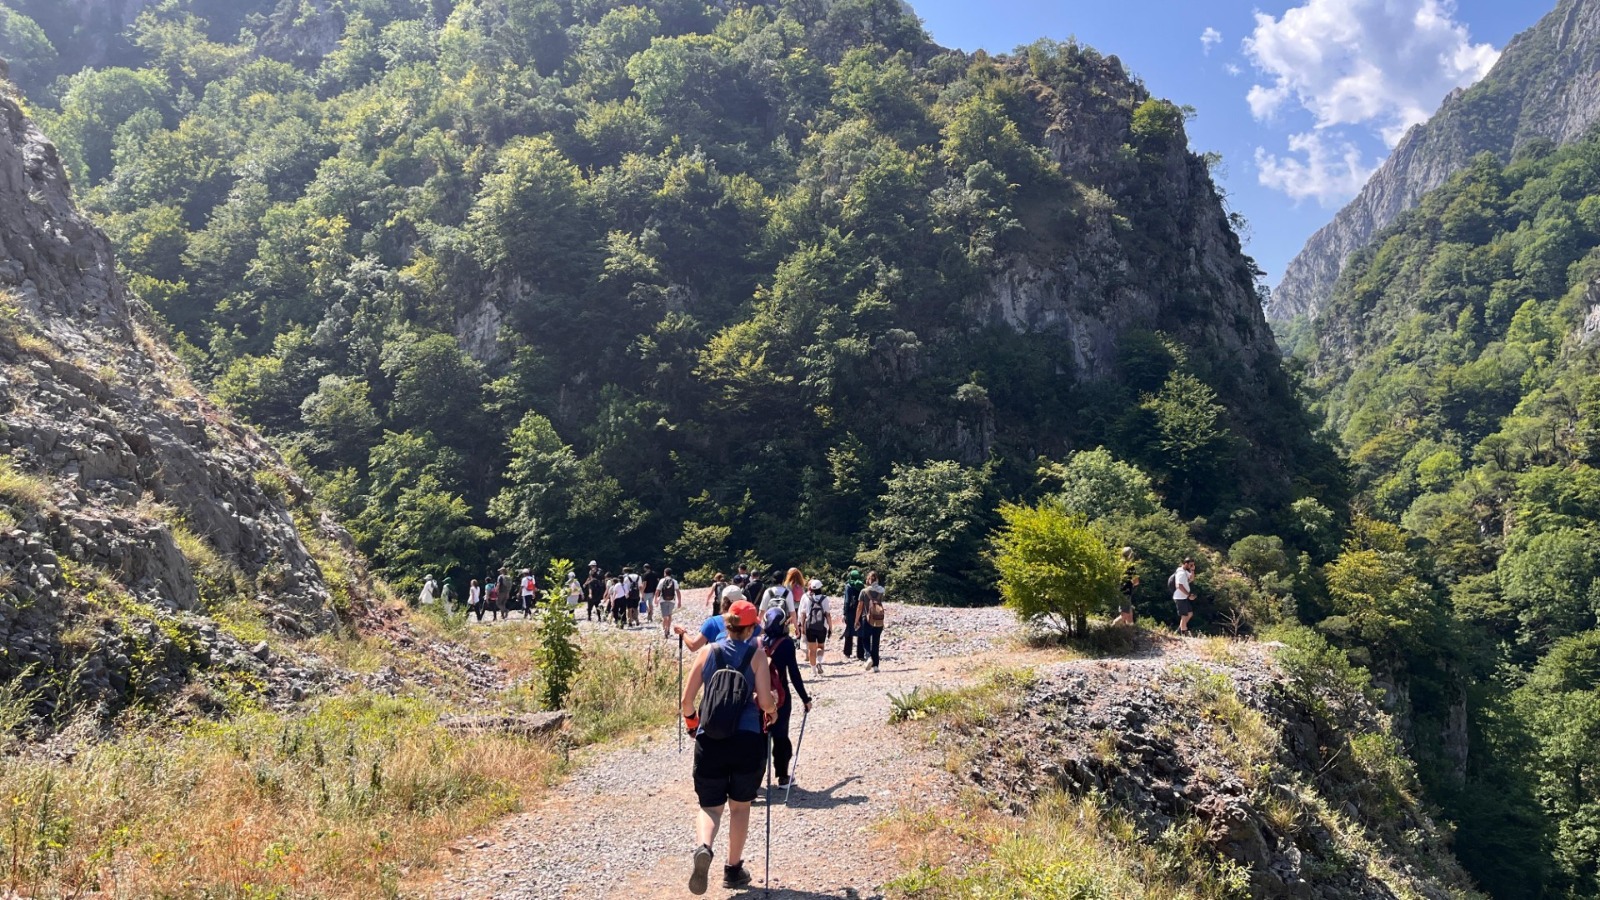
(447, 592)
(853, 583)
(430, 592)
(787, 682)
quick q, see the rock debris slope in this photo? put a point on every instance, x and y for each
(139, 524)
(1545, 87)
(1291, 779)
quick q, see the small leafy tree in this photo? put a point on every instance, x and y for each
(1054, 567)
(928, 530)
(557, 650)
(1097, 484)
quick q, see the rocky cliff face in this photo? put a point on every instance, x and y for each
(1546, 86)
(143, 532)
(1089, 284)
(85, 32)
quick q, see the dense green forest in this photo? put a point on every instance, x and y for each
(592, 279)
(1458, 361)
(714, 283)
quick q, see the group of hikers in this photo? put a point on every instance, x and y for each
(746, 660)
(741, 688)
(498, 594)
(738, 699)
(1180, 583)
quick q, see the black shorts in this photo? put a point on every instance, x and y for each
(816, 635)
(1184, 607)
(729, 769)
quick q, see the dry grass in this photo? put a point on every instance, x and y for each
(226, 594)
(334, 803)
(346, 799)
(618, 690)
(21, 490)
(18, 330)
(1065, 849)
(1252, 742)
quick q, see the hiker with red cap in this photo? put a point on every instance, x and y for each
(730, 744)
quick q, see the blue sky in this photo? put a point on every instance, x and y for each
(1303, 98)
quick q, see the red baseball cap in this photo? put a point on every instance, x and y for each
(744, 613)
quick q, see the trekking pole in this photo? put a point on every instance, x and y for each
(680, 692)
(795, 766)
(767, 862)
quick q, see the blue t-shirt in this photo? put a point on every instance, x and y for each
(713, 629)
(731, 651)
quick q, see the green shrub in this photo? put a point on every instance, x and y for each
(557, 650)
(1054, 568)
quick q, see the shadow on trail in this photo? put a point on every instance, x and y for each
(791, 894)
(819, 799)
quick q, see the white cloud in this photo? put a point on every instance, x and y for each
(1385, 64)
(1331, 171)
(1210, 38)
(1233, 70)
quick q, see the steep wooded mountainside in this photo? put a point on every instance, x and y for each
(508, 276)
(1458, 359)
(1545, 87)
(147, 539)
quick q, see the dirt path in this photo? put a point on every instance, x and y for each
(622, 825)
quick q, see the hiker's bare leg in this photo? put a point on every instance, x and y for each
(738, 828)
(705, 825)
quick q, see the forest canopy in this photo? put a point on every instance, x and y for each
(588, 278)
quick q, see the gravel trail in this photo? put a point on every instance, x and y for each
(623, 824)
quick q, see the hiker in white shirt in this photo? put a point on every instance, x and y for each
(1183, 594)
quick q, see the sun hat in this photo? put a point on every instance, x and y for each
(744, 613)
(816, 584)
(732, 595)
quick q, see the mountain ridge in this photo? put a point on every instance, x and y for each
(1546, 85)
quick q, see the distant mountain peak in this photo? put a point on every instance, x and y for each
(1546, 85)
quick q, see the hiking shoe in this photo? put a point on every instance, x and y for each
(702, 865)
(735, 877)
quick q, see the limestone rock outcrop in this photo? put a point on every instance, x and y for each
(132, 509)
(1293, 780)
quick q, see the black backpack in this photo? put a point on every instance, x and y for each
(669, 591)
(817, 620)
(723, 701)
(633, 587)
